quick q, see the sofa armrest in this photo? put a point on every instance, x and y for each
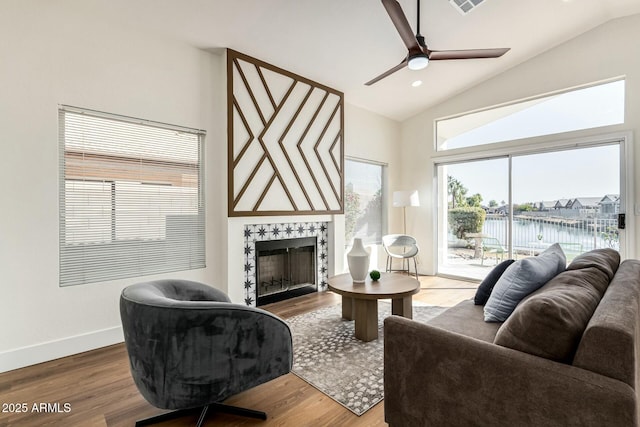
(436, 377)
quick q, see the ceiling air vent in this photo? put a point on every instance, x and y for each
(465, 6)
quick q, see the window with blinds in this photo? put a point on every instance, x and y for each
(364, 209)
(131, 197)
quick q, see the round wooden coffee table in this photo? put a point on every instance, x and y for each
(360, 300)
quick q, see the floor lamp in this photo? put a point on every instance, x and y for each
(402, 199)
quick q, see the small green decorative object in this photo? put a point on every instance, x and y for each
(375, 275)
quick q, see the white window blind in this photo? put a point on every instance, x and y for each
(364, 209)
(131, 197)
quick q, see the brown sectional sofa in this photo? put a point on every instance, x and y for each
(567, 355)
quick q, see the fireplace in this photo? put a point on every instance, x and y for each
(308, 244)
(285, 268)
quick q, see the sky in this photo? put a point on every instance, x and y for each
(585, 172)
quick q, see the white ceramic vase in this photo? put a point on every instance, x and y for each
(358, 260)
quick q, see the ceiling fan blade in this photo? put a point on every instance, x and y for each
(402, 25)
(435, 55)
(387, 73)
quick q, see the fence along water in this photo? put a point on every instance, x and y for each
(533, 232)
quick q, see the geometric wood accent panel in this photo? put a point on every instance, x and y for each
(285, 141)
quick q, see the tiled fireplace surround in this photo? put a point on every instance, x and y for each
(279, 231)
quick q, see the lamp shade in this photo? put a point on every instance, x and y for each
(405, 198)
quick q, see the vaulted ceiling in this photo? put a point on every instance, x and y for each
(344, 43)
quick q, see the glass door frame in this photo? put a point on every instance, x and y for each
(538, 145)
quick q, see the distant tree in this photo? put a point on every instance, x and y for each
(474, 201)
(502, 203)
(493, 204)
(525, 207)
(457, 191)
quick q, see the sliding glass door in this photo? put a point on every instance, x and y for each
(473, 209)
(518, 205)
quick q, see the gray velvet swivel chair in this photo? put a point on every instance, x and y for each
(190, 348)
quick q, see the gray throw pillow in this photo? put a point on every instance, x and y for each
(522, 278)
(486, 286)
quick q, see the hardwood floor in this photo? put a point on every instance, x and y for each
(99, 391)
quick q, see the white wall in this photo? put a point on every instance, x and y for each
(602, 53)
(51, 57)
(370, 136)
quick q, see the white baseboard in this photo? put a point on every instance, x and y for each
(44, 352)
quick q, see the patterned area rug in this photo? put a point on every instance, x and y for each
(330, 358)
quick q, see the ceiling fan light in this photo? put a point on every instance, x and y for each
(418, 62)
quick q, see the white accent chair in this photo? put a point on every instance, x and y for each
(403, 247)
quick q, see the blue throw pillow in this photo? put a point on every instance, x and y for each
(485, 288)
(520, 279)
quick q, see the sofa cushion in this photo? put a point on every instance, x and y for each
(520, 279)
(550, 322)
(465, 318)
(486, 286)
(607, 260)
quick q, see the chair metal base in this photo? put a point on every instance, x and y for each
(389, 266)
(215, 407)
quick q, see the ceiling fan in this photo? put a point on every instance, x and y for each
(419, 54)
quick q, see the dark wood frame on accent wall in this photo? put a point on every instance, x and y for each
(336, 203)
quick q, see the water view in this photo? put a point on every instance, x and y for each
(528, 233)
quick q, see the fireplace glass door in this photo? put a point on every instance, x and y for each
(285, 268)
